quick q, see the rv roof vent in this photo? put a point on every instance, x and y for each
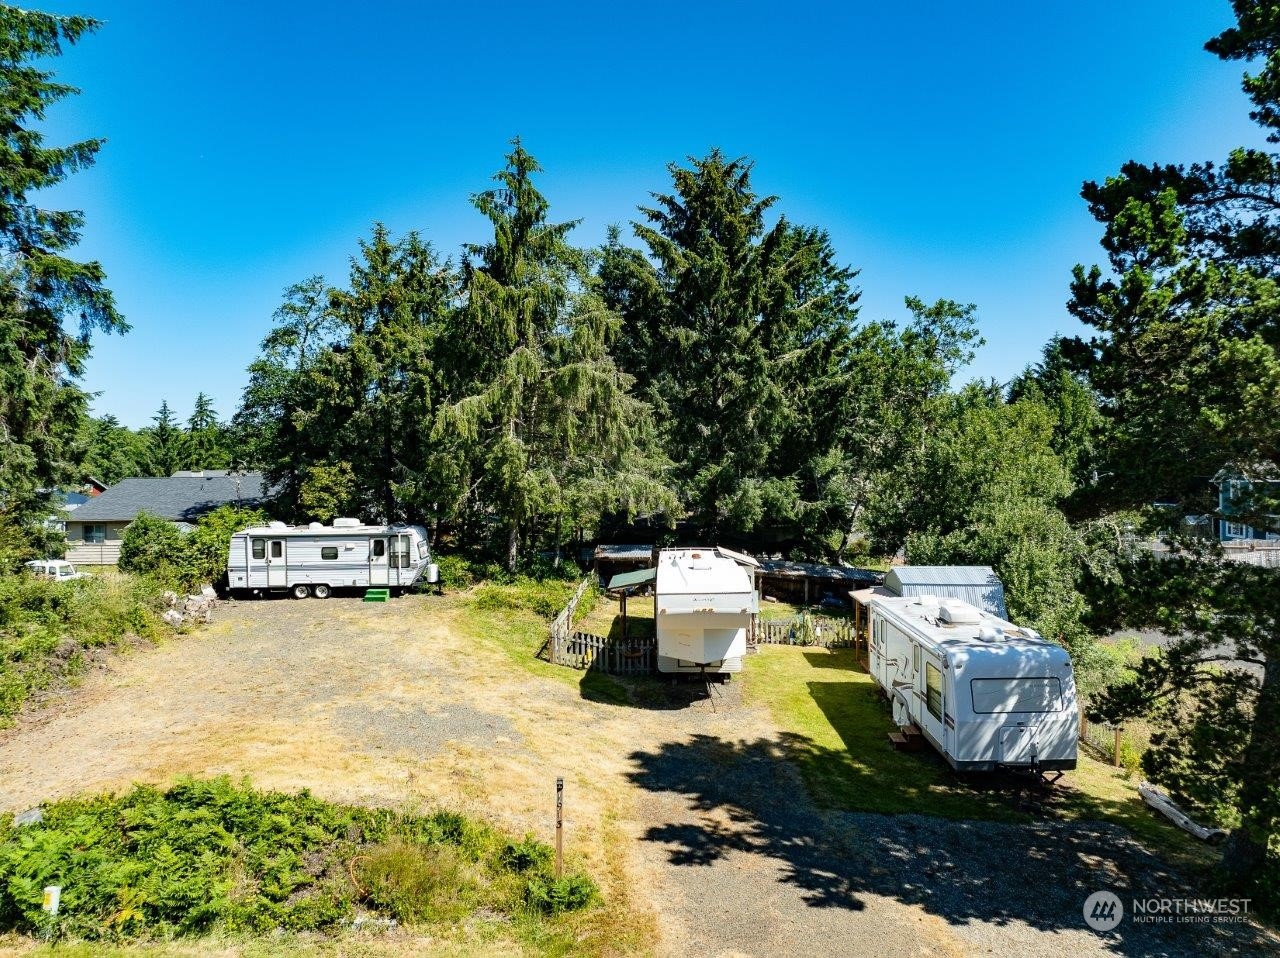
(927, 600)
(959, 613)
(345, 523)
(989, 634)
(315, 525)
(276, 525)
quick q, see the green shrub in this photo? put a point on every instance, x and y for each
(151, 546)
(45, 626)
(455, 572)
(214, 854)
(555, 895)
(184, 561)
(526, 854)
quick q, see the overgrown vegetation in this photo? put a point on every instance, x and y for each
(155, 547)
(47, 627)
(208, 855)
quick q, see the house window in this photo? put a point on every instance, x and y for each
(259, 548)
(1236, 530)
(329, 552)
(933, 690)
(95, 532)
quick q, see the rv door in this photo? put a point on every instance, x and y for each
(932, 683)
(277, 570)
(378, 562)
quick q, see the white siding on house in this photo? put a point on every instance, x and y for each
(82, 552)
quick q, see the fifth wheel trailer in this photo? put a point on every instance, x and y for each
(703, 601)
(316, 559)
(984, 692)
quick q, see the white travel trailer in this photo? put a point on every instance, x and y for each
(316, 559)
(984, 692)
(703, 601)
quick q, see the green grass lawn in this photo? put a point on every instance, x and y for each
(836, 725)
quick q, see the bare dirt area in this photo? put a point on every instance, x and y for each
(686, 808)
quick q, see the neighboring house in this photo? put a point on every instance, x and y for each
(1239, 518)
(95, 528)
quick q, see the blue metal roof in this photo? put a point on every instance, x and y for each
(976, 584)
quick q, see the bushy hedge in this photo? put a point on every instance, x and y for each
(155, 547)
(46, 626)
(213, 854)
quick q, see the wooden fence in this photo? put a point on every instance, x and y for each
(582, 650)
(562, 624)
(814, 630)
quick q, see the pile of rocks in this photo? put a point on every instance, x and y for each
(191, 608)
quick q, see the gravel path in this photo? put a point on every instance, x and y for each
(690, 813)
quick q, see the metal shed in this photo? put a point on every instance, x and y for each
(976, 584)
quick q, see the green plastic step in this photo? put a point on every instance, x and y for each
(377, 595)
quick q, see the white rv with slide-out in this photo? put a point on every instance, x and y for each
(703, 601)
(316, 559)
(984, 692)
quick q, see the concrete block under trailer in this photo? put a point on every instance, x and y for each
(984, 692)
(316, 559)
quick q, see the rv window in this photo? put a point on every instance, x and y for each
(915, 657)
(277, 548)
(400, 553)
(379, 548)
(329, 552)
(992, 696)
(259, 548)
(422, 548)
(933, 690)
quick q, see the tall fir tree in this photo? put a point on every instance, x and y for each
(206, 441)
(546, 419)
(166, 443)
(41, 408)
(738, 332)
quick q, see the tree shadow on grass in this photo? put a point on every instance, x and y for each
(1033, 873)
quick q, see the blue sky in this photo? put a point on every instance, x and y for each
(942, 144)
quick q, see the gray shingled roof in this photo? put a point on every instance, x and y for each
(976, 584)
(176, 497)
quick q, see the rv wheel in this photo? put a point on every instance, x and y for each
(320, 591)
(301, 591)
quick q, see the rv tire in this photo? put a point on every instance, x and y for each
(301, 591)
(320, 591)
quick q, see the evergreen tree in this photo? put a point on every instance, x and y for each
(737, 332)
(112, 451)
(166, 443)
(546, 420)
(1185, 358)
(41, 408)
(206, 442)
(280, 424)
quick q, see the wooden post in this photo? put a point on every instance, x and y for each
(624, 616)
(1117, 748)
(559, 827)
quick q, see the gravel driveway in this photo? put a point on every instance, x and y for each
(691, 815)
